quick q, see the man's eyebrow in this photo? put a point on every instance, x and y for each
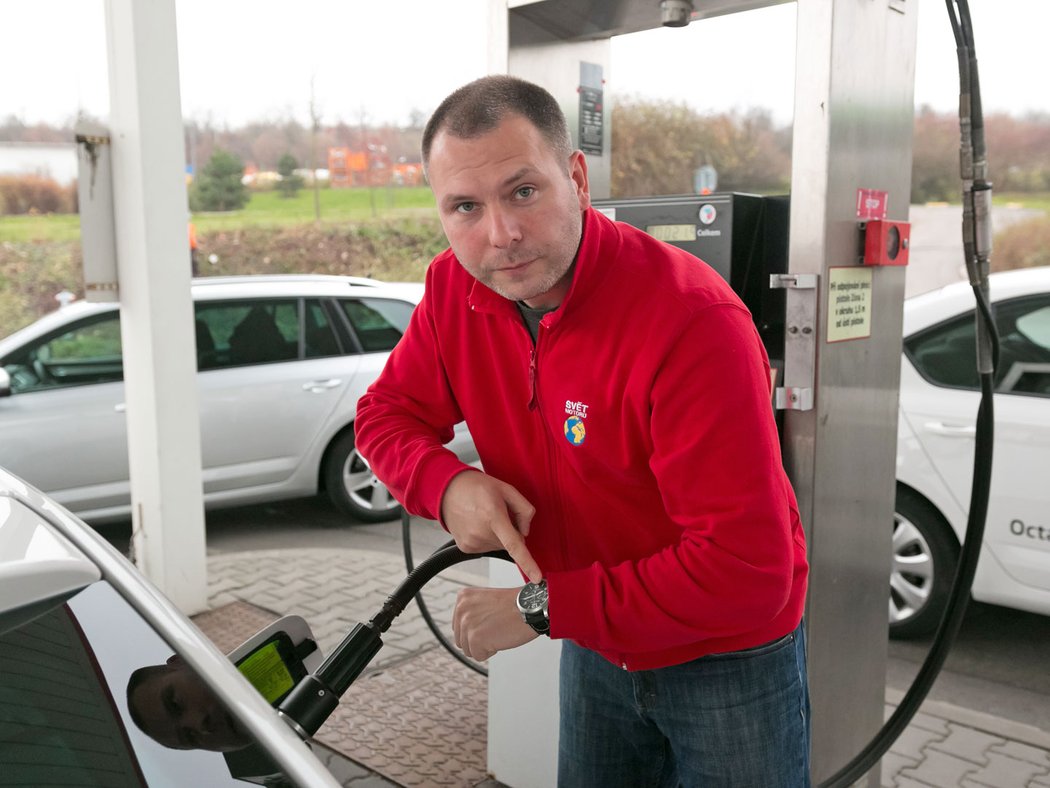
(517, 176)
(455, 199)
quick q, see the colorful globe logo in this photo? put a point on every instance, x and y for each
(575, 432)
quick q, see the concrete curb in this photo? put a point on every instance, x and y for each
(988, 723)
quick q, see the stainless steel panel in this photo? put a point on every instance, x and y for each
(555, 64)
(853, 125)
(581, 20)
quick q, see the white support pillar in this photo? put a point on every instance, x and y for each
(156, 309)
(524, 704)
(498, 36)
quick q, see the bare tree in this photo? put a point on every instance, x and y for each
(315, 125)
(658, 145)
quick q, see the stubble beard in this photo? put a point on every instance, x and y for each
(560, 259)
(519, 292)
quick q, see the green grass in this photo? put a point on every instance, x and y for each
(265, 209)
(269, 209)
(52, 227)
(1037, 200)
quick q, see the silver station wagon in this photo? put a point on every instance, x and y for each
(281, 360)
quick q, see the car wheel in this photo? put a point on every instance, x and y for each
(925, 554)
(352, 486)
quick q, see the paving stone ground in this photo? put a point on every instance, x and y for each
(417, 717)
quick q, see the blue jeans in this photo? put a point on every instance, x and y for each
(734, 719)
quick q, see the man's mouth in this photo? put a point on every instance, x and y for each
(517, 265)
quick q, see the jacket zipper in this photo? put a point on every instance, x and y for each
(552, 450)
(533, 396)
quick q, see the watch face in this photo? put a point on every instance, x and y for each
(533, 597)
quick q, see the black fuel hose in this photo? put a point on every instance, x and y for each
(954, 610)
(424, 611)
(441, 559)
(316, 696)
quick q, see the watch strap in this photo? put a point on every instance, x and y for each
(539, 622)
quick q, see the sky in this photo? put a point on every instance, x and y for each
(246, 60)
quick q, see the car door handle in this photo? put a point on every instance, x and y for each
(317, 386)
(951, 430)
(120, 407)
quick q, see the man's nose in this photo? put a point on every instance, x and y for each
(504, 229)
(198, 719)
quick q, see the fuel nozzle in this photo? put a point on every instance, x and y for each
(315, 697)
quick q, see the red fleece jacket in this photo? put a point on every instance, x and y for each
(639, 426)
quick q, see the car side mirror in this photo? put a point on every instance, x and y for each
(5, 383)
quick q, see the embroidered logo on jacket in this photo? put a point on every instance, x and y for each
(575, 430)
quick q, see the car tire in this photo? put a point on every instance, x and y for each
(925, 555)
(353, 488)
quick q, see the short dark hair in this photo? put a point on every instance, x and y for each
(140, 676)
(478, 107)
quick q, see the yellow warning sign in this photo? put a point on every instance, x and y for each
(849, 303)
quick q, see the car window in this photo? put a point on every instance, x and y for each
(72, 677)
(319, 336)
(1035, 327)
(86, 352)
(378, 322)
(236, 333)
(946, 354)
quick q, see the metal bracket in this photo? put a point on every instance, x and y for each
(792, 281)
(800, 352)
(792, 398)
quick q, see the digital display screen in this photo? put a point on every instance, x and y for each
(672, 232)
(267, 672)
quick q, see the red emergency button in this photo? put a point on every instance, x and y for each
(886, 242)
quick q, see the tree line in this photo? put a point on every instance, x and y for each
(656, 147)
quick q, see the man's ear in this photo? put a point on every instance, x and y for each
(578, 175)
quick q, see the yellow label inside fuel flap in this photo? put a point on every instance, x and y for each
(267, 672)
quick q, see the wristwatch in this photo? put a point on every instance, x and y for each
(532, 604)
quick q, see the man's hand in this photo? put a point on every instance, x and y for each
(486, 620)
(482, 514)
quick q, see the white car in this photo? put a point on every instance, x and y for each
(282, 361)
(105, 682)
(939, 395)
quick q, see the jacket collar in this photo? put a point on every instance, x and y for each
(599, 239)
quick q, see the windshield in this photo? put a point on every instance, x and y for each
(66, 678)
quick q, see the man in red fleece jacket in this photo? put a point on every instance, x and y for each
(618, 395)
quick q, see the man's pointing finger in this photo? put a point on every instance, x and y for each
(514, 543)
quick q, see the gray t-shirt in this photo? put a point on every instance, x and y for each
(532, 317)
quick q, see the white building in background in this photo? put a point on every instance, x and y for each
(55, 160)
